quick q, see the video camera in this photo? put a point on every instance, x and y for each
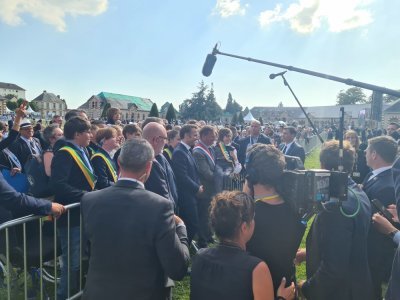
(307, 190)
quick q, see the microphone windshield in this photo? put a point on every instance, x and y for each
(209, 64)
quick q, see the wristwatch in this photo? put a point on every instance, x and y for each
(393, 233)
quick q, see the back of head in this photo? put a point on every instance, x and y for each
(152, 119)
(73, 113)
(135, 154)
(228, 211)
(385, 146)
(329, 156)
(48, 132)
(265, 165)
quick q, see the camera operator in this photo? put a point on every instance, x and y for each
(278, 230)
(336, 258)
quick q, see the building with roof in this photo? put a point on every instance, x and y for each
(11, 89)
(132, 108)
(392, 113)
(49, 105)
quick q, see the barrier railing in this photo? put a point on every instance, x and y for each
(40, 256)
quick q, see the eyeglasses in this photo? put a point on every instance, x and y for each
(161, 137)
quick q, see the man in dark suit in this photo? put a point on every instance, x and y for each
(162, 179)
(255, 137)
(71, 177)
(187, 178)
(289, 145)
(26, 144)
(380, 155)
(204, 156)
(135, 239)
(336, 257)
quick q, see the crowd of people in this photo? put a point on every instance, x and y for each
(150, 190)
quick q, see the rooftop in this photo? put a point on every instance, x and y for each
(10, 86)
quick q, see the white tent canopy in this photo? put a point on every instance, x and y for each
(249, 117)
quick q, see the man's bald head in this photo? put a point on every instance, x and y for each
(156, 135)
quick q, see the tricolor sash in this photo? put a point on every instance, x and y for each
(90, 177)
(205, 150)
(110, 167)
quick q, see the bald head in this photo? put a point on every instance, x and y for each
(156, 135)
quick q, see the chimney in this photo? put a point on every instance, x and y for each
(58, 96)
(44, 91)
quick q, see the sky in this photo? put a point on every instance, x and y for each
(156, 49)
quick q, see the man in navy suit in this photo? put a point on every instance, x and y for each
(289, 145)
(247, 142)
(378, 184)
(187, 178)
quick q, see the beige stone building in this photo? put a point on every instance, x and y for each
(49, 104)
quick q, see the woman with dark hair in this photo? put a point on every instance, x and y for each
(228, 271)
(113, 116)
(278, 228)
(102, 162)
(226, 161)
(360, 169)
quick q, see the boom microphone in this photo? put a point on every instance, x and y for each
(272, 76)
(210, 62)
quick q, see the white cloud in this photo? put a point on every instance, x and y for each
(306, 16)
(228, 8)
(52, 12)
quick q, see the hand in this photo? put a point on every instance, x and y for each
(288, 293)
(300, 256)
(382, 224)
(393, 210)
(178, 220)
(21, 111)
(201, 190)
(57, 209)
(15, 171)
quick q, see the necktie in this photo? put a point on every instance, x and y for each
(33, 147)
(284, 150)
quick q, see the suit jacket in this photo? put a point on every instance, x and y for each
(243, 144)
(295, 150)
(22, 151)
(68, 182)
(104, 176)
(186, 172)
(337, 263)
(170, 177)
(206, 169)
(133, 252)
(11, 199)
(157, 181)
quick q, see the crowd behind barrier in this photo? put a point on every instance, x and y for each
(36, 256)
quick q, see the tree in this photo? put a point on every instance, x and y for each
(261, 121)
(234, 119)
(229, 104)
(34, 106)
(202, 105)
(390, 98)
(171, 114)
(246, 111)
(240, 118)
(9, 96)
(280, 105)
(154, 111)
(11, 105)
(353, 95)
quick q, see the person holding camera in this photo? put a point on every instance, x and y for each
(278, 230)
(228, 271)
(336, 257)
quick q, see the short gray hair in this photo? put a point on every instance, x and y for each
(48, 132)
(135, 154)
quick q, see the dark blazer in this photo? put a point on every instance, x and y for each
(4, 161)
(186, 172)
(170, 177)
(104, 176)
(295, 150)
(157, 181)
(11, 199)
(68, 182)
(337, 263)
(131, 254)
(206, 169)
(22, 150)
(244, 142)
(380, 246)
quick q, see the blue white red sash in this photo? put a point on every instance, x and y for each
(205, 150)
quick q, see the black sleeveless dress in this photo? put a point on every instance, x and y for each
(224, 272)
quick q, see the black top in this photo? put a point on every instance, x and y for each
(277, 236)
(224, 272)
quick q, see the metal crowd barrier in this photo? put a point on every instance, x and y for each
(41, 270)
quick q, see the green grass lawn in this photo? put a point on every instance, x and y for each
(182, 288)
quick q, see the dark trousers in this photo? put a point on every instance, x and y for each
(5, 216)
(189, 214)
(204, 233)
